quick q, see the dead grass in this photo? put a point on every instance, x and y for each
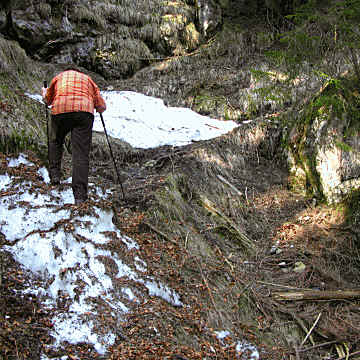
(222, 287)
(288, 230)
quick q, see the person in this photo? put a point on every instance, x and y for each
(72, 96)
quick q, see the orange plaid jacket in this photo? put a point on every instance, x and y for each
(72, 91)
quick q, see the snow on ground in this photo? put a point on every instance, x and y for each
(243, 347)
(74, 256)
(146, 122)
(73, 253)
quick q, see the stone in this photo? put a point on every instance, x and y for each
(299, 267)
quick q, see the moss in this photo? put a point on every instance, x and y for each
(85, 14)
(264, 39)
(191, 37)
(338, 99)
(307, 161)
(177, 19)
(352, 209)
(343, 146)
(44, 10)
(224, 4)
(21, 141)
(22, 126)
(205, 103)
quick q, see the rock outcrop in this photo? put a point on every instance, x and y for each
(324, 144)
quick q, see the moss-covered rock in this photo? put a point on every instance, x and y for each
(112, 38)
(22, 120)
(323, 143)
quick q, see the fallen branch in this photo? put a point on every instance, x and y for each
(212, 126)
(319, 346)
(347, 356)
(304, 328)
(316, 295)
(279, 285)
(238, 192)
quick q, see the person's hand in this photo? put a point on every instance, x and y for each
(100, 110)
(43, 92)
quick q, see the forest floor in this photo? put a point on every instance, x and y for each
(305, 246)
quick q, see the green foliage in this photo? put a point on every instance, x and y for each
(203, 103)
(341, 97)
(321, 39)
(319, 30)
(347, 15)
(345, 147)
(270, 94)
(260, 74)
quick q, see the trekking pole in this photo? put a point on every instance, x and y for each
(112, 156)
(47, 121)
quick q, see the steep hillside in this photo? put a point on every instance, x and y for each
(264, 268)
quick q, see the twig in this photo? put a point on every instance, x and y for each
(302, 325)
(316, 295)
(312, 328)
(1, 268)
(279, 285)
(186, 240)
(229, 184)
(244, 289)
(349, 355)
(340, 350)
(172, 161)
(17, 350)
(319, 346)
(229, 263)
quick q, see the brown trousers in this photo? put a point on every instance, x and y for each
(80, 124)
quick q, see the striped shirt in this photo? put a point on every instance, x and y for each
(73, 91)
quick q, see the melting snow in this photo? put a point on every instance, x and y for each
(146, 122)
(244, 349)
(68, 252)
(20, 160)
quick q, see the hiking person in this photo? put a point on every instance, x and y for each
(72, 96)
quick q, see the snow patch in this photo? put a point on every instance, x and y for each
(146, 122)
(68, 252)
